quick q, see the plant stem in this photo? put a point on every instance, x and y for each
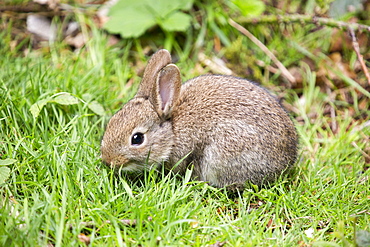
(320, 21)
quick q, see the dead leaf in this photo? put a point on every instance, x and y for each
(215, 64)
(84, 239)
(194, 224)
(102, 14)
(309, 232)
(77, 41)
(269, 224)
(41, 27)
(339, 39)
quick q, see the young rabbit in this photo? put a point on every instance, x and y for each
(230, 130)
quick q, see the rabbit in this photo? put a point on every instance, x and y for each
(227, 129)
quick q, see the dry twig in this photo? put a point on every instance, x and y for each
(361, 151)
(282, 68)
(360, 57)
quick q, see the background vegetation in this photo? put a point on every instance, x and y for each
(56, 95)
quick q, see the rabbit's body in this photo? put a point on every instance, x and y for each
(234, 131)
(230, 130)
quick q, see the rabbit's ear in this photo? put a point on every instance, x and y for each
(168, 89)
(157, 62)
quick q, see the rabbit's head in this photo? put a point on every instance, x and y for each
(141, 133)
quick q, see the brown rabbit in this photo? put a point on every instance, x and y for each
(230, 130)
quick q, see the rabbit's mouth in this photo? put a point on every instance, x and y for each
(132, 166)
(124, 166)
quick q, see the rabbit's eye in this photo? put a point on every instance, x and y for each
(137, 139)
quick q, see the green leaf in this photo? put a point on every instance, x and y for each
(66, 99)
(176, 22)
(250, 7)
(96, 108)
(36, 108)
(87, 97)
(7, 162)
(4, 174)
(164, 8)
(131, 18)
(93, 105)
(186, 4)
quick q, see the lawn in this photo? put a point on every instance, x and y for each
(55, 103)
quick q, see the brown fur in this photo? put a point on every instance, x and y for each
(232, 130)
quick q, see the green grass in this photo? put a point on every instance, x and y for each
(58, 190)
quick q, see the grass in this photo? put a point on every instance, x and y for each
(59, 194)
